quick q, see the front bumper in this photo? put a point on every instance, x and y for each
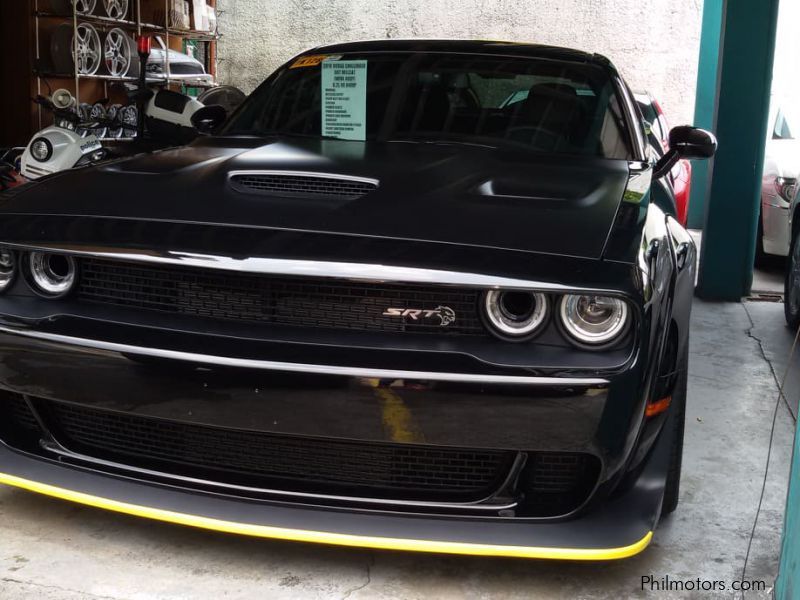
(622, 528)
(592, 416)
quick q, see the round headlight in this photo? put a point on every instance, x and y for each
(8, 268)
(52, 275)
(515, 314)
(593, 320)
(41, 149)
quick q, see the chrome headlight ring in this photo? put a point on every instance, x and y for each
(52, 275)
(515, 315)
(41, 149)
(593, 320)
(8, 268)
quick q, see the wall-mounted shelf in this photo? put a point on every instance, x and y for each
(90, 88)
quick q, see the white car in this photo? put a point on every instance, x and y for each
(778, 181)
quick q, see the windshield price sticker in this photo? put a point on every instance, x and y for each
(344, 99)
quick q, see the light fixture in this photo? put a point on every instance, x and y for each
(593, 320)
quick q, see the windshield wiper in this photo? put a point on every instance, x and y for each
(252, 133)
(416, 138)
(316, 136)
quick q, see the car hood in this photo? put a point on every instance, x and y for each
(445, 193)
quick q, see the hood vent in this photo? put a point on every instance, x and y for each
(292, 183)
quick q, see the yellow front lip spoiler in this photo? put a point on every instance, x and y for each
(324, 537)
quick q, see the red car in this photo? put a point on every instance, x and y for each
(681, 175)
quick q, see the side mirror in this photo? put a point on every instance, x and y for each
(686, 142)
(208, 118)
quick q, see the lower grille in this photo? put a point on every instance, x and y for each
(556, 483)
(280, 300)
(550, 484)
(280, 462)
(18, 411)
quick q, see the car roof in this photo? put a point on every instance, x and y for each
(499, 48)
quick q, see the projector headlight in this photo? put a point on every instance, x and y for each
(41, 149)
(515, 315)
(52, 275)
(593, 320)
(8, 268)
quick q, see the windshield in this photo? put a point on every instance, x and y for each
(541, 105)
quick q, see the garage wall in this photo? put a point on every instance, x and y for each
(653, 42)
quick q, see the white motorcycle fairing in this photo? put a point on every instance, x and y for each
(67, 148)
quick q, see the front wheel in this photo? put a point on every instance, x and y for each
(673, 485)
(791, 286)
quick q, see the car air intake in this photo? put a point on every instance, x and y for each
(550, 484)
(314, 465)
(294, 185)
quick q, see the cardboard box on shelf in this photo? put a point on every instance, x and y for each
(199, 15)
(212, 18)
(177, 13)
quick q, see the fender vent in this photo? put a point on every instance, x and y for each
(311, 185)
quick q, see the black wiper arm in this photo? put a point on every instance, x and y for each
(316, 136)
(432, 139)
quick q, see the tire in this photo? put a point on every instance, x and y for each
(791, 285)
(226, 96)
(673, 486)
(762, 257)
(61, 48)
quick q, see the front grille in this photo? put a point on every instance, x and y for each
(302, 302)
(558, 483)
(185, 69)
(268, 460)
(302, 185)
(18, 411)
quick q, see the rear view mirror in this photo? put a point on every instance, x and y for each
(686, 142)
(209, 118)
(692, 142)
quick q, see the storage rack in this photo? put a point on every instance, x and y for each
(132, 24)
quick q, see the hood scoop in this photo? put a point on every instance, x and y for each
(299, 184)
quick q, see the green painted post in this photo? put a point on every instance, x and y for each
(705, 102)
(729, 236)
(787, 587)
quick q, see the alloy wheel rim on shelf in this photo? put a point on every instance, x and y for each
(117, 53)
(87, 49)
(116, 9)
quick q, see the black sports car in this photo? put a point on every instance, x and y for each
(421, 295)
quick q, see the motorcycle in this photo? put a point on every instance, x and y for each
(61, 146)
(170, 119)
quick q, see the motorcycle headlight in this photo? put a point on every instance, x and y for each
(41, 149)
(52, 275)
(8, 268)
(593, 320)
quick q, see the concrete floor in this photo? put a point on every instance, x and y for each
(50, 549)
